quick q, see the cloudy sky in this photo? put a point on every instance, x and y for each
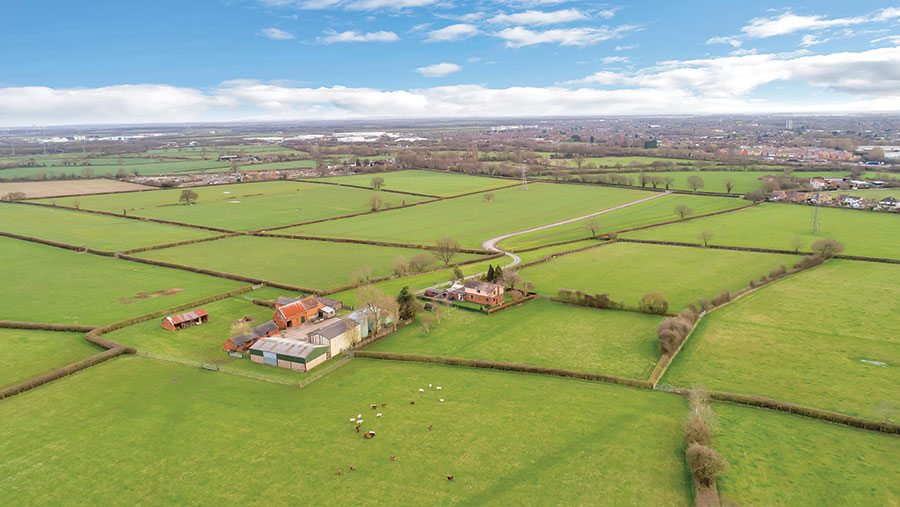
(109, 61)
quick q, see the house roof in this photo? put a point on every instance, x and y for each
(187, 316)
(264, 329)
(889, 199)
(336, 329)
(296, 308)
(485, 287)
(282, 301)
(288, 347)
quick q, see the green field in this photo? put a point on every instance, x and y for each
(822, 338)
(874, 194)
(540, 333)
(622, 161)
(534, 439)
(47, 284)
(313, 264)
(242, 206)
(781, 459)
(86, 229)
(161, 166)
(29, 353)
(471, 220)
(656, 211)
(425, 182)
(777, 225)
(627, 271)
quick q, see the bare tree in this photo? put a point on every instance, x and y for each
(377, 182)
(695, 182)
(705, 236)
(375, 202)
(362, 276)
(426, 321)
(447, 248)
(383, 307)
(488, 197)
(682, 211)
(827, 247)
(668, 180)
(729, 184)
(796, 244)
(644, 178)
(592, 226)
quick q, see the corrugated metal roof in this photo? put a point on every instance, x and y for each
(303, 306)
(263, 329)
(287, 347)
(188, 316)
(334, 330)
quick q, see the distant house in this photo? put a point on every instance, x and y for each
(483, 293)
(185, 320)
(889, 203)
(337, 336)
(245, 341)
(291, 354)
(852, 201)
(297, 313)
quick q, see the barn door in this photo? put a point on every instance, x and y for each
(270, 358)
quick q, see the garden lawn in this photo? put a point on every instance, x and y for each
(135, 424)
(29, 353)
(203, 344)
(425, 182)
(243, 207)
(100, 232)
(782, 459)
(823, 338)
(539, 333)
(315, 265)
(659, 210)
(627, 271)
(778, 225)
(471, 220)
(47, 284)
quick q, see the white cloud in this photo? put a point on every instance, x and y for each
(733, 41)
(865, 81)
(539, 17)
(348, 4)
(438, 69)
(626, 48)
(789, 22)
(274, 33)
(890, 39)
(352, 36)
(811, 40)
(520, 36)
(387, 4)
(453, 32)
(614, 59)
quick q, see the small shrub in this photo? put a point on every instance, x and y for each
(778, 272)
(696, 431)
(721, 298)
(809, 261)
(706, 464)
(827, 248)
(653, 302)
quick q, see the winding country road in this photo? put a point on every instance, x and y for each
(491, 244)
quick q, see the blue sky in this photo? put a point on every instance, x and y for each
(106, 61)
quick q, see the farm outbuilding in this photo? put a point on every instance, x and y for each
(185, 320)
(338, 336)
(298, 312)
(286, 353)
(245, 341)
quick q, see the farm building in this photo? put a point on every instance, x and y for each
(298, 312)
(245, 341)
(339, 335)
(366, 320)
(181, 321)
(484, 293)
(333, 303)
(285, 353)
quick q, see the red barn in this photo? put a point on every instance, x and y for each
(297, 312)
(181, 321)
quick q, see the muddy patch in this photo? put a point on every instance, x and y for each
(147, 295)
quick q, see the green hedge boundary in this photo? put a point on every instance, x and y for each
(365, 242)
(129, 217)
(552, 256)
(495, 365)
(219, 274)
(64, 371)
(40, 326)
(57, 244)
(802, 410)
(180, 243)
(304, 180)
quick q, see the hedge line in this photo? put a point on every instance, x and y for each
(74, 328)
(557, 254)
(75, 248)
(180, 243)
(504, 306)
(219, 274)
(495, 365)
(714, 247)
(366, 188)
(130, 217)
(62, 372)
(816, 413)
(364, 242)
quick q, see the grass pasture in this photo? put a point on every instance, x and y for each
(585, 440)
(471, 220)
(776, 226)
(823, 338)
(540, 333)
(621, 161)
(627, 271)
(86, 229)
(242, 207)
(425, 182)
(661, 209)
(312, 264)
(782, 459)
(47, 284)
(30, 353)
(111, 168)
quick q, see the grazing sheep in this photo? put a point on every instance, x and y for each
(421, 390)
(441, 400)
(378, 414)
(358, 416)
(429, 385)
(370, 434)
(352, 419)
(374, 406)
(438, 388)
(360, 421)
